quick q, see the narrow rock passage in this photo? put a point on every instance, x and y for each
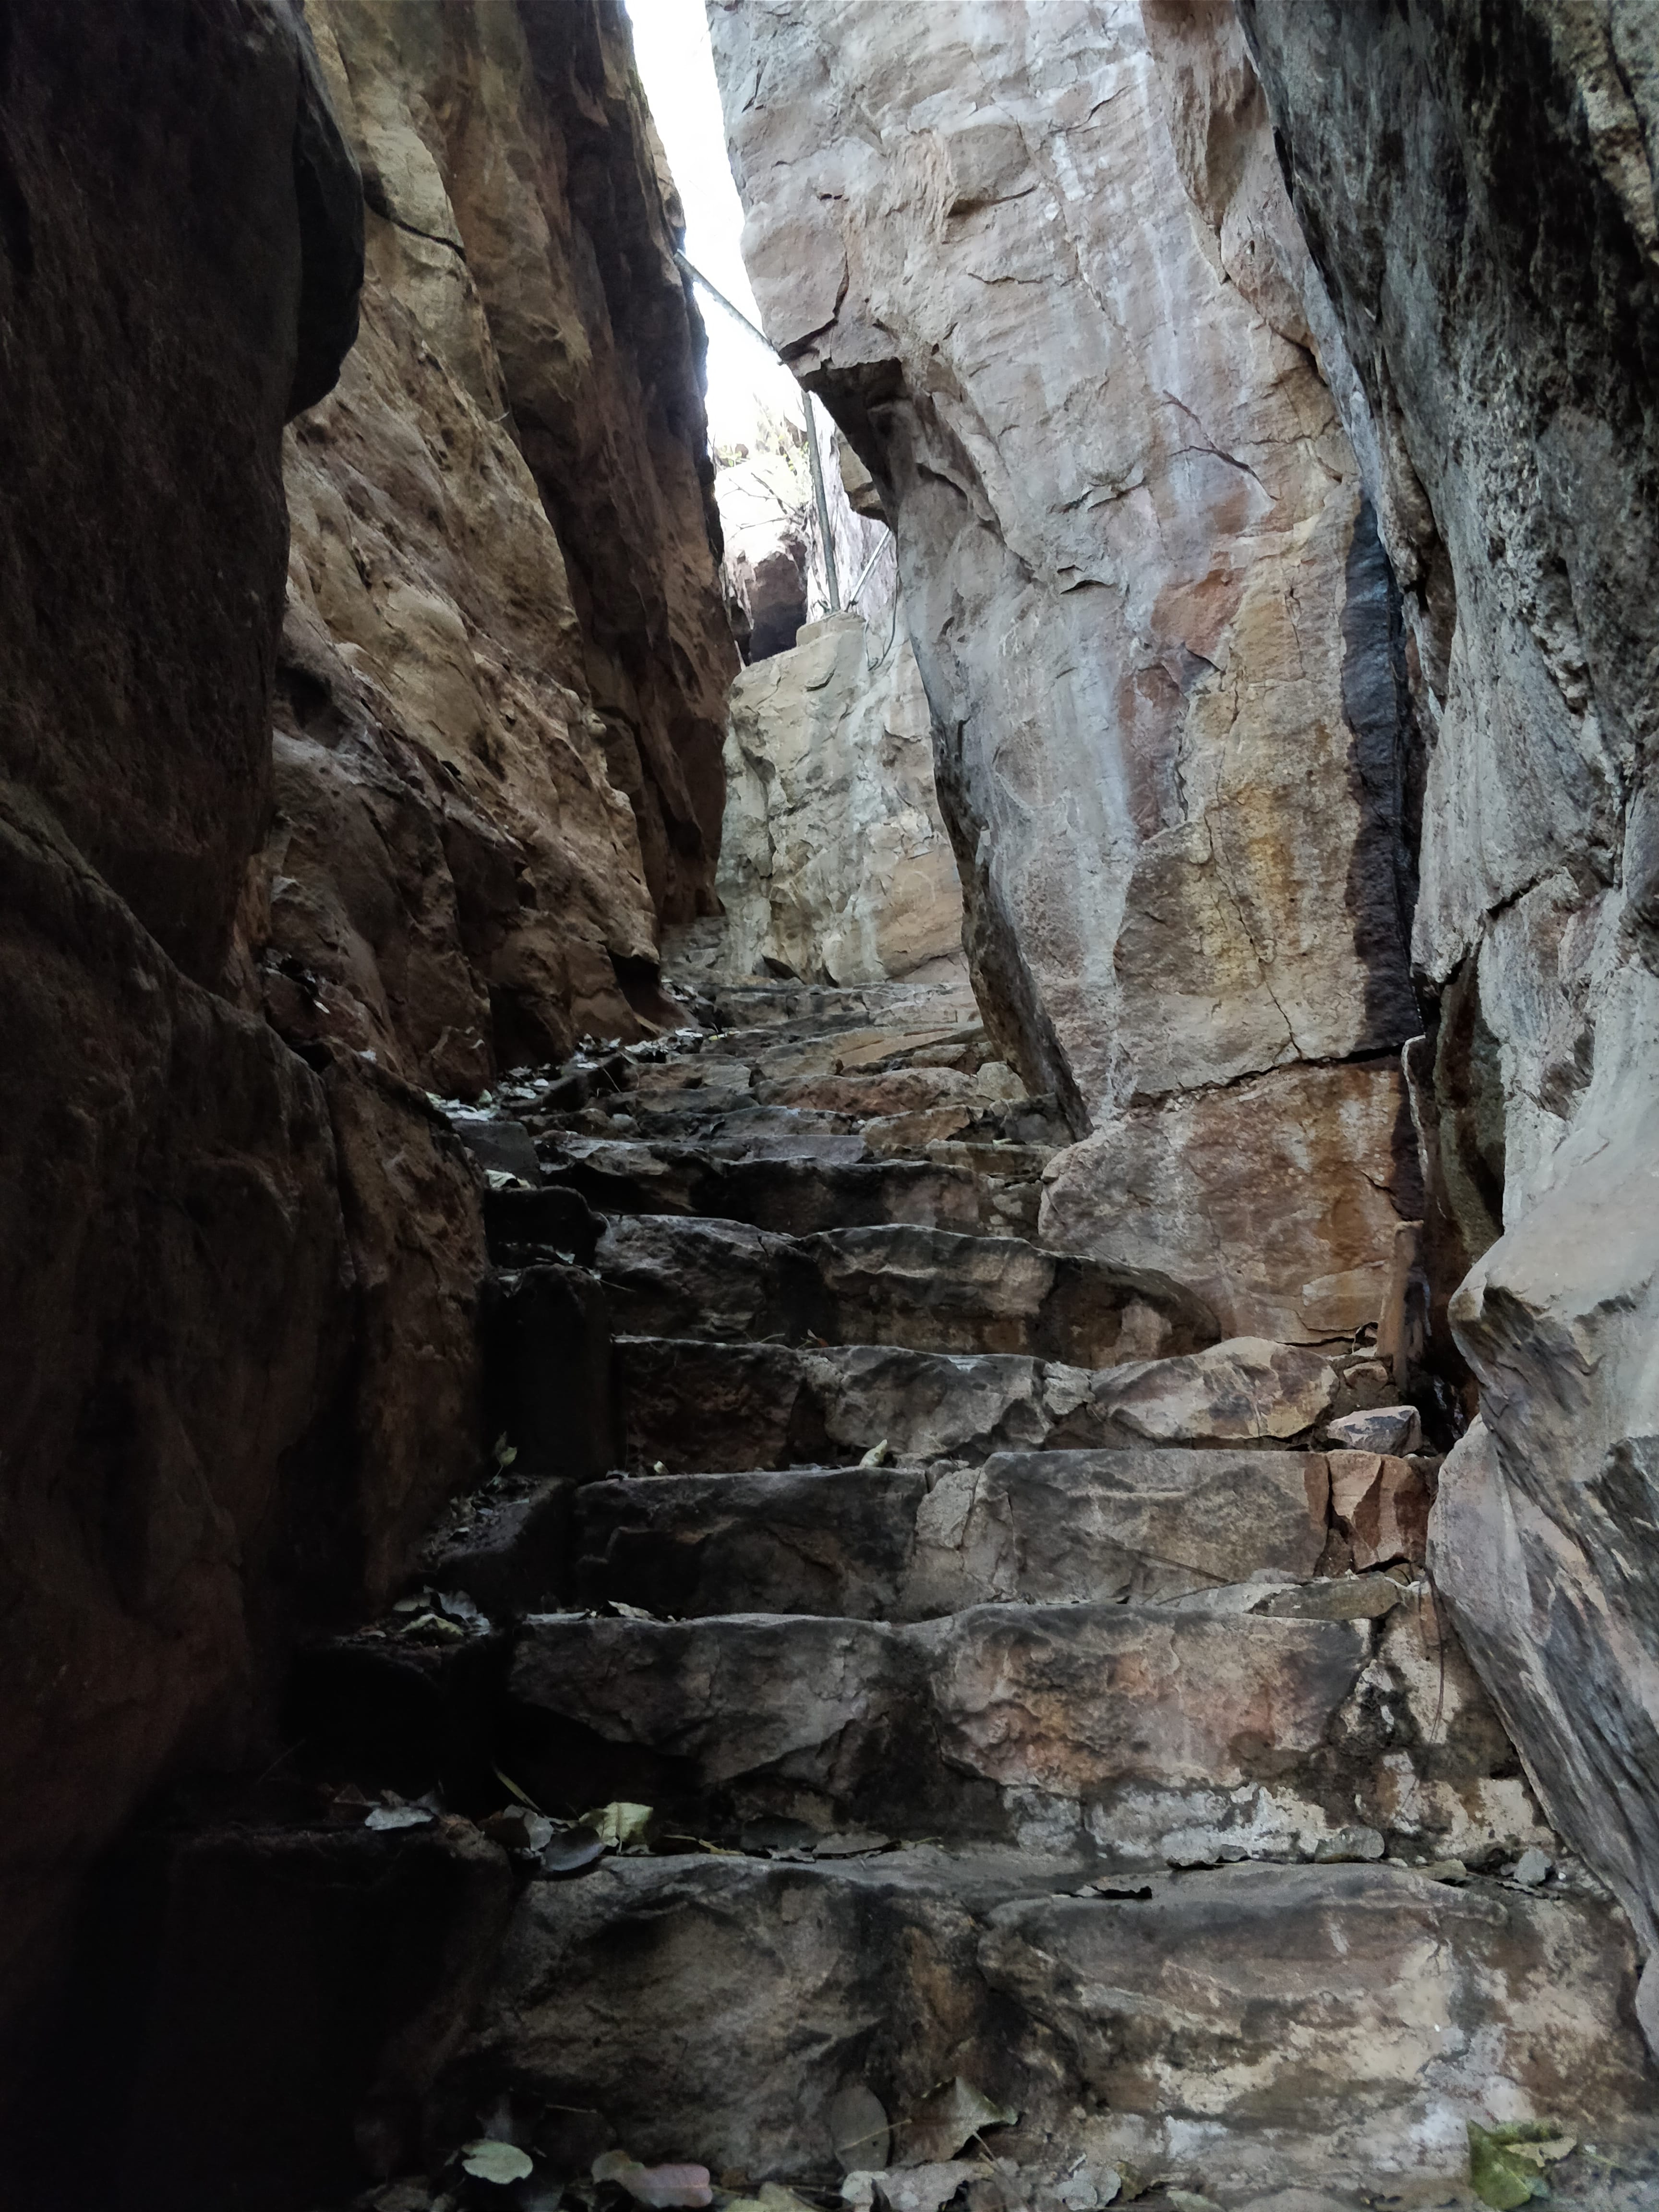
(1025, 1689)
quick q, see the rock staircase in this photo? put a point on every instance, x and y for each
(1061, 1786)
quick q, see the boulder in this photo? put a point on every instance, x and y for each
(1378, 1429)
(1381, 1505)
(1243, 1390)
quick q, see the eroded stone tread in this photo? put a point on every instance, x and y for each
(899, 1543)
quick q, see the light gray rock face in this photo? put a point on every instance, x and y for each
(1041, 265)
(1311, 1983)
(835, 864)
(1481, 204)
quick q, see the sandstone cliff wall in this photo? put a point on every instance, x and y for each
(1478, 187)
(835, 865)
(502, 696)
(1040, 264)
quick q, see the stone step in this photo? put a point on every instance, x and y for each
(1247, 2032)
(922, 1289)
(1126, 1724)
(907, 1544)
(715, 1128)
(902, 1092)
(960, 1045)
(738, 1128)
(792, 1197)
(1266, 1719)
(692, 1406)
(740, 1006)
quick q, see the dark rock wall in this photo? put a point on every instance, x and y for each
(242, 1257)
(238, 1366)
(1476, 181)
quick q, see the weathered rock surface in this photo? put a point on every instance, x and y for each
(932, 1290)
(1245, 1391)
(1277, 1198)
(690, 1403)
(792, 1196)
(1043, 270)
(502, 693)
(835, 865)
(906, 1543)
(1315, 1984)
(1074, 1704)
(1490, 272)
(687, 1401)
(198, 1273)
(1089, 1980)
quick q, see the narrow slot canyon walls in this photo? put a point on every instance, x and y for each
(502, 692)
(242, 1256)
(1040, 266)
(1478, 186)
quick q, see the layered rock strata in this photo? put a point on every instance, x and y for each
(502, 696)
(1479, 194)
(1041, 267)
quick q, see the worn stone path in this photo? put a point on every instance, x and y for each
(1027, 1690)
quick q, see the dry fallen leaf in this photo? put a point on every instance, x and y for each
(514, 1791)
(859, 2130)
(618, 1825)
(399, 1816)
(952, 2116)
(489, 2160)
